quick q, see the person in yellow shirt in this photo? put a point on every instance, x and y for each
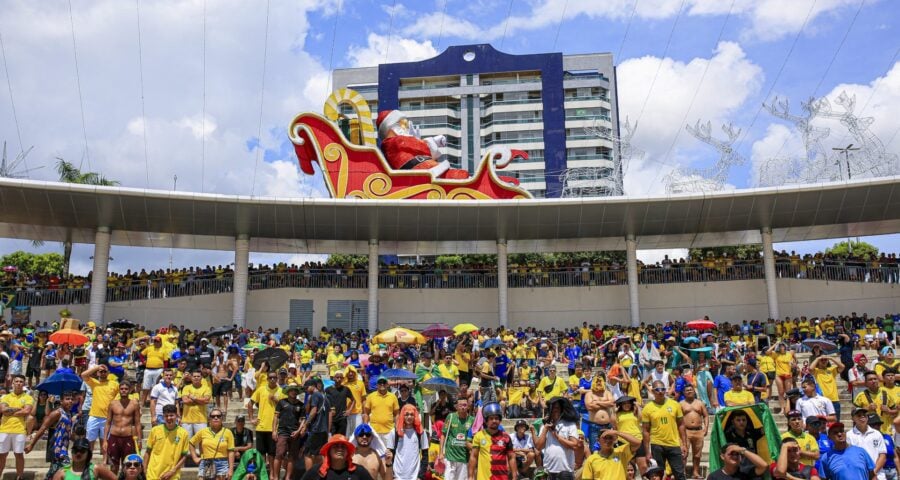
(825, 370)
(265, 397)
(448, 370)
(15, 406)
(737, 396)
(195, 397)
(103, 390)
(211, 447)
(380, 410)
(357, 388)
(334, 360)
(156, 356)
(664, 435)
(809, 446)
(784, 365)
(167, 447)
(515, 401)
(463, 359)
(551, 385)
(875, 399)
(306, 361)
(609, 460)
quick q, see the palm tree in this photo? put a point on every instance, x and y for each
(68, 173)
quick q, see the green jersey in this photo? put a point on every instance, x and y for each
(455, 431)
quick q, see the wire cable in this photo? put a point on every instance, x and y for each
(687, 112)
(559, 27)
(87, 153)
(331, 54)
(387, 49)
(12, 103)
(441, 29)
(143, 109)
(506, 24)
(627, 29)
(203, 111)
(262, 97)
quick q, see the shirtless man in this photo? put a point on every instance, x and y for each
(366, 456)
(600, 404)
(696, 425)
(469, 395)
(123, 425)
(225, 372)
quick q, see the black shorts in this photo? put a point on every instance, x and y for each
(265, 444)
(641, 451)
(770, 376)
(222, 388)
(339, 425)
(32, 373)
(314, 443)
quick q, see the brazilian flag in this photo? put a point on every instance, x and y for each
(767, 446)
(7, 299)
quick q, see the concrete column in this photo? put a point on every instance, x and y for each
(98, 279)
(631, 266)
(373, 286)
(503, 283)
(241, 279)
(769, 268)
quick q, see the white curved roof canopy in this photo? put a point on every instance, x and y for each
(153, 218)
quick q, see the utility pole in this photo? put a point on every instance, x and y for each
(846, 151)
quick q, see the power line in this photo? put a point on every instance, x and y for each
(87, 153)
(441, 29)
(506, 24)
(387, 49)
(778, 75)
(694, 97)
(262, 96)
(559, 27)
(331, 54)
(627, 28)
(203, 114)
(827, 69)
(661, 61)
(12, 103)
(143, 110)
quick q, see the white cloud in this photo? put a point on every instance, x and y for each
(877, 100)
(385, 49)
(731, 78)
(765, 19)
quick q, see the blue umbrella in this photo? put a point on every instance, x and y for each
(398, 374)
(440, 383)
(687, 340)
(491, 343)
(58, 383)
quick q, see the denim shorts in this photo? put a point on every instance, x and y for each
(219, 464)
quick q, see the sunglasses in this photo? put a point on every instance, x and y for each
(132, 464)
(365, 435)
(661, 390)
(215, 416)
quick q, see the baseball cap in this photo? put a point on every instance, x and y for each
(835, 426)
(814, 419)
(858, 410)
(794, 413)
(382, 380)
(240, 418)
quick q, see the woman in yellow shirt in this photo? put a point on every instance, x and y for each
(335, 360)
(628, 415)
(785, 362)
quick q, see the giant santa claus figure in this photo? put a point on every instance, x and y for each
(405, 151)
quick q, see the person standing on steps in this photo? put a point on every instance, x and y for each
(123, 426)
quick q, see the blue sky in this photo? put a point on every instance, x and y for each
(159, 97)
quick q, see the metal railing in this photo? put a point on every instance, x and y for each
(518, 277)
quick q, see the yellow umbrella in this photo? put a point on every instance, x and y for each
(400, 335)
(465, 328)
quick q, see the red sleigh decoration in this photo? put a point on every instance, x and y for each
(354, 171)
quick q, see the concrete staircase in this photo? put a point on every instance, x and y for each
(36, 467)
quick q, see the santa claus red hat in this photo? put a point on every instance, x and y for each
(387, 119)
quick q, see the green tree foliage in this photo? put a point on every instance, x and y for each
(856, 248)
(341, 260)
(31, 263)
(743, 252)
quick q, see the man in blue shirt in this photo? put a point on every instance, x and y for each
(722, 384)
(573, 353)
(374, 370)
(815, 425)
(845, 461)
(501, 367)
(116, 362)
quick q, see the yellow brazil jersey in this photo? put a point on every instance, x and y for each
(358, 390)
(598, 467)
(15, 423)
(520, 351)
(516, 395)
(493, 452)
(450, 372)
(102, 393)
(381, 411)
(574, 382)
(585, 334)
(766, 363)
(266, 413)
(306, 356)
(629, 424)
(524, 371)
(807, 444)
(743, 397)
(663, 420)
(531, 353)
(882, 365)
(557, 388)
(463, 359)
(880, 398)
(334, 361)
(825, 378)
(166, 447)
(195, 413)
(783, 363)
(214, 445)
(156, 356)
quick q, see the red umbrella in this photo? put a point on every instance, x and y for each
(438, 330)
(68, 336)
(701, 324)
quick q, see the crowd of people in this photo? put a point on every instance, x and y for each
(51, 289)
(594, 402)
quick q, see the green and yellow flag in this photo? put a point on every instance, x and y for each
(767, 446)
